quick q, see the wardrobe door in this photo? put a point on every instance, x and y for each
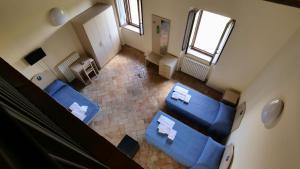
(113, 30)
(96, 39)
(105, 35)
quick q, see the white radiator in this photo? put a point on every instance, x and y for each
(194, 68)
(63, 67)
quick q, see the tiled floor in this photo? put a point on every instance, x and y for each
(129, 94)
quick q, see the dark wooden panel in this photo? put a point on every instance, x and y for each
(96, 145)
(18, 149)
(294, 3)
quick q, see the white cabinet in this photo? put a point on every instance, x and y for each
(98, 32)
(167, 66)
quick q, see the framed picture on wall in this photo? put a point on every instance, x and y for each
(294, 3)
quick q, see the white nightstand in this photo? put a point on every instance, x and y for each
(231, 97)
(167, 66)
(166, 63)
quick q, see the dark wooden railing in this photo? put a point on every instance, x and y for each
(95, 144)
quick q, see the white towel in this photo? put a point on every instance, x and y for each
(183, 97)
(181, 90)
(78, 111)
(163, 129)
(166, 121)
(175, 95)
(187, 98)
(172, 134)
(79, 115)
(166, 127)
(84, 108)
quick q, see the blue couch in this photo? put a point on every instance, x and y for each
(190, 148)
(216, 116)
(66, 95)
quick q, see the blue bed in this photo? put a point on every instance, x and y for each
(66, 95)
(216, 116)
(190, 148)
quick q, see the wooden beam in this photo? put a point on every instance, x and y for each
(96, 145)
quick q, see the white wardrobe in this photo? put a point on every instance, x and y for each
(98, 32)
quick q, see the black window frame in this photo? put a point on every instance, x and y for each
(193, 39)
(124, 16)
(128, 13)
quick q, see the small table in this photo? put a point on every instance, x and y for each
(231, 97)
(128, 146)
(167, 66)
(166, 63)
(85, 69)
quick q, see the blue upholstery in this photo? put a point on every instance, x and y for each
(211, 155)
(66, 95)
(210, 113)
(188, 147)
(54, 87)
(223, 122)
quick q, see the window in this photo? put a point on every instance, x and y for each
(208, 33)
(130, 14)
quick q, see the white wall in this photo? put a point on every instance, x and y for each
(132, 39)
(60, 45)
(279, 147)
(25, 26)
(261, 28)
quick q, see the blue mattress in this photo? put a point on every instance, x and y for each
(190, 148)
(66, 95)
(216, 116)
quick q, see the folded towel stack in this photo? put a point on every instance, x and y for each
(166, 127)
(78, 111)
(181, 94)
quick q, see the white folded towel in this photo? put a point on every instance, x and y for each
(176, 95)
(84, 108)
(79, 115)
(166, 127)
(183, 97)
(163, 129)
(187, 98)
(181, 90)
(166, 121)
(172, 134)
(78, 111)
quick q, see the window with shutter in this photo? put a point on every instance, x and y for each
(130, 14)
(208, 35)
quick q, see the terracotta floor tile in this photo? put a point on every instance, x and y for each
(130, 94)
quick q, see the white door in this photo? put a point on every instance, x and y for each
(105, 35)
(113, 30)
(102, 32)
(93, 34)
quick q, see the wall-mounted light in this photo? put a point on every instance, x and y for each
(271, 112)
(57, 16)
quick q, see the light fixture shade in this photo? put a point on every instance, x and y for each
(271, 112)
(57, 16)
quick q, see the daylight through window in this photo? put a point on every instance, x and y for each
(209, 34)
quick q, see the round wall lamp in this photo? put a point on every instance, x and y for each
(57, 16)
(271, 112)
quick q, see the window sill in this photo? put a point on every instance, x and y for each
(199, 56)
(132, 28)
